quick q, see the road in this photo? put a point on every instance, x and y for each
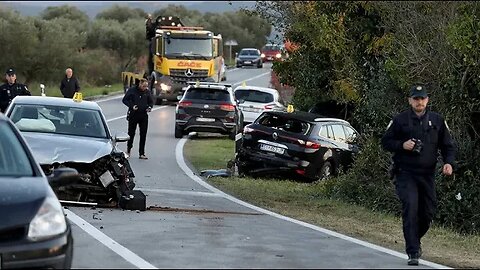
(231, 234)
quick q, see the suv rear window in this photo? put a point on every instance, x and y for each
(254, 96)
(283, 123)
(208, 94)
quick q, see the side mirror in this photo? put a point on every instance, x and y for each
(63, 177)
(236, 54)
(121, 137)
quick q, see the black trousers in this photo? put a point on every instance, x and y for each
(419, 203)
(142, 121)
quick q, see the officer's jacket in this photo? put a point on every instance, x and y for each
(431, 129)
(8, 92)
(143, 99)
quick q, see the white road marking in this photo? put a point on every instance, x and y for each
(186, 169)
(109, 242)
(181, 192)
(253, 78)
(123, 116)
(109, 98)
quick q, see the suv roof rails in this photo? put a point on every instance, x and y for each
(326, 119)
(225, 85)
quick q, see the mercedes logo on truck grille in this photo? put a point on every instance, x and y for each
(189, 72)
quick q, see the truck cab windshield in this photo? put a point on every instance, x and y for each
(189, 48)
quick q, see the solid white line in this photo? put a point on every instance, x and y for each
(253, 78)
(109, 242)
(186, 169)
(123, 116)
(109, 98)
(181, 192)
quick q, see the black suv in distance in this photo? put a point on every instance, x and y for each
(208, 107)
(305, 143)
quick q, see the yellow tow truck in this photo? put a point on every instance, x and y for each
(179, 54)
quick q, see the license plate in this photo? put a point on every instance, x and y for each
(273, 149)
(201, 119)
(248, 62)
(247, 109)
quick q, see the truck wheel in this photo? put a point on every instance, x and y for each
(158, 101)
(178, 132)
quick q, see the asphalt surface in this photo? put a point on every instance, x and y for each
(219, 231)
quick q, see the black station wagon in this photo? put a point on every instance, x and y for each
(307, 144)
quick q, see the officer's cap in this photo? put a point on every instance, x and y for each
(10, 71)
(418, 91)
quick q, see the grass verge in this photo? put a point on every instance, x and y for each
(52, 90)
(305, 202)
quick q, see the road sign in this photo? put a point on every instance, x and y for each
(231, 42)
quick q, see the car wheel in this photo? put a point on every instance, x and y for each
(325, 172)
(178, 132)
(233, 133)
(239, 66)
(158, 101)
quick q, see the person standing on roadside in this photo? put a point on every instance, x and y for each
(11, 89)
(139, 102)
(415, 136)
(69, 85)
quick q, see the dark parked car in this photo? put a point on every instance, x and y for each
(64, 133)
(33, 230)
(305, 143)
(249, 57)
(208, 107)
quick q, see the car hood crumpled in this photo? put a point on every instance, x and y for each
(52, 148)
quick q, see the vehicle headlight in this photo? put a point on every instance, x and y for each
(49, 220)
(278, 55)
(262, 55)
(165, 87)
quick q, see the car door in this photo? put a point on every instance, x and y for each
(342, 147)
(352, 142)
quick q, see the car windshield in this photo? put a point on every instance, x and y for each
(14, 161)
(188, 48)
(59, 120)
(271, 48)
(249, 52)
(208, 94)
(253, 96)
(284, 123)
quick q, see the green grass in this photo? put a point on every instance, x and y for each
(53, 90)
(304, 201)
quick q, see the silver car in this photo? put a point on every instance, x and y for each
(255, 100)
(65, 133)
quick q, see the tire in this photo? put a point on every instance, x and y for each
(232, 134)
(325, 172)
(224, 78)
(239, 66)
(178, 132)
(158, 101)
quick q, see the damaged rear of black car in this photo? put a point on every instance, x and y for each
(65, 133)
(306, 144)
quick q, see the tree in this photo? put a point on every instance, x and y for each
(121, 13)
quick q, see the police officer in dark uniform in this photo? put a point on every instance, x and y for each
(139, 102)
(11, 89)
(414, 136)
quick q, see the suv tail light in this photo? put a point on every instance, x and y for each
(309, 144)
(268, 107)
(184, 103)
(227, 107)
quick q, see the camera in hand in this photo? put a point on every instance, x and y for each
(417, 148)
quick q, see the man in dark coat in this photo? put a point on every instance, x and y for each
(69, 85)
(11, 89)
